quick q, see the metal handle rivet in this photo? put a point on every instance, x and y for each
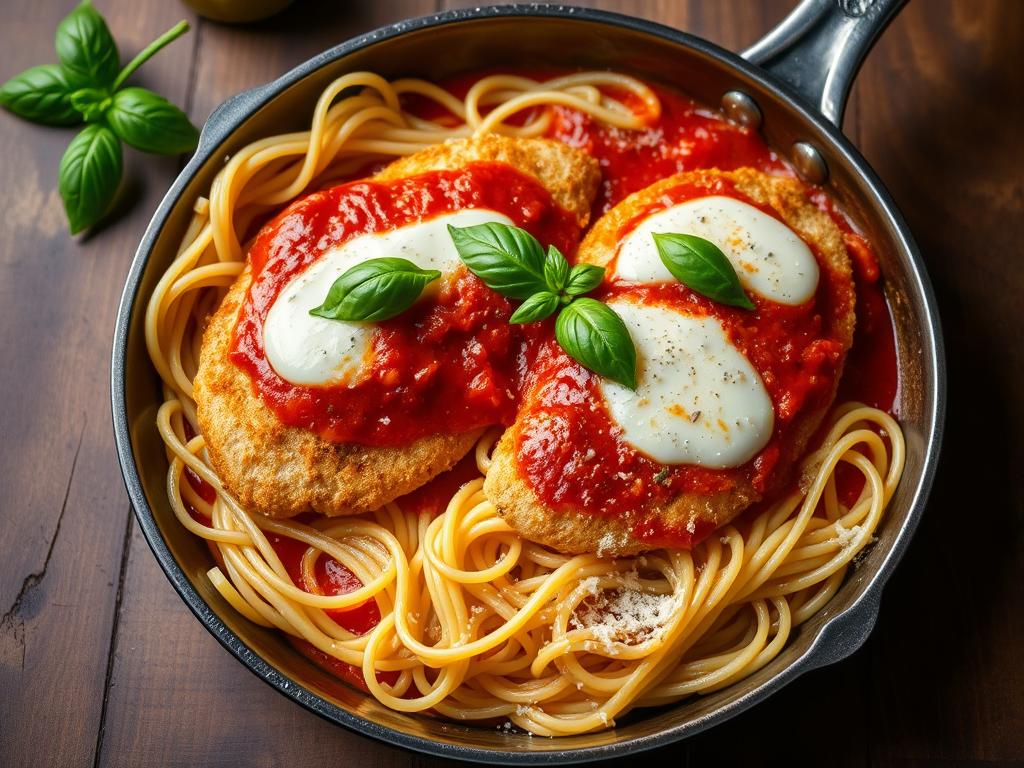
(809, 163)
(741, 109)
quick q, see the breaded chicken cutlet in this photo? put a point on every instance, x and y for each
(575, 530)
(282, 471)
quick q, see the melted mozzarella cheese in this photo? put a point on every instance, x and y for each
(310, 350)
(770, 259)
(698, 399)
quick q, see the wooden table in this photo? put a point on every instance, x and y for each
(101, 662)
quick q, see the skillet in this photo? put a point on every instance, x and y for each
(792, 86)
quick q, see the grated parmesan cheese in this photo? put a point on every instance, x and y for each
(628, 615)
(846, 535)
(605, 544)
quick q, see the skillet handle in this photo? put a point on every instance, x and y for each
(819, 47)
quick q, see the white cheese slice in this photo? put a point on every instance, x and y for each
(309, 350)
(770, 259)
(698, 399)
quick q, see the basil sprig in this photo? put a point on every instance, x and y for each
(86, 48)
(590, 332)
(151, 123)
(701, 266)
(375, 290)
(89, 174)
(537, 307)
(86, 86)
(508, 259)
(512, 262)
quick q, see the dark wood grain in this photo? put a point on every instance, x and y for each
(62, 503)
(953, 158)
(91, 674)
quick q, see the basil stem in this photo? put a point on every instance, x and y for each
(170, 35)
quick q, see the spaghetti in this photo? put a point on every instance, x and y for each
(478, 623)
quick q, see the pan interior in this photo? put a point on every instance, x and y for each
(567, 42)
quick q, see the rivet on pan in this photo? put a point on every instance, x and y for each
(809, 163)
(741, 109)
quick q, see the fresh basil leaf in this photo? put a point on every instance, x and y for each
(537, 307)
(149, 122)
(91, 102)
(592, 334)
(701, 266)
(89, 175)
(43, 95)
(374, 290)
(508, 259)
(556, 270)
(583, 279)
(86, 48)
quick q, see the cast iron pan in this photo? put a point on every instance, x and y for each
(793, 84)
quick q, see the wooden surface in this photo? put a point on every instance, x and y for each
(100, 662)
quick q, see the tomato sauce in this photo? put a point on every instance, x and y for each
(448, 365)
(474, 359)
(474, 367)
(332, 578)
(571, 451)
(873, 360)
(686, 136)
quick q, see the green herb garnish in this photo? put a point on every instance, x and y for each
(512, 262)
(590, 332)
(508, 259)
(541, 305)
(89, 174)
(583, 279)
(375, 290)
(701, 266)
(86, 87)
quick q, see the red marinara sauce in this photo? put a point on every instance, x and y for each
(447, 365)
(685, 136)
(571, 451)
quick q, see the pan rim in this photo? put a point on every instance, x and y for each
(822, 651)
